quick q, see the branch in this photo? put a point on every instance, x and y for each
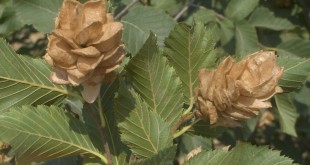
(183, 10)
(125, 10)
(182, 120)
(107, 160)
(102, 131)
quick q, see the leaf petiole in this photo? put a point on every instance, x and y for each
(184, 129)
(188, 110)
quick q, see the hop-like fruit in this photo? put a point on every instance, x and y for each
(237, 90)
(85, 47)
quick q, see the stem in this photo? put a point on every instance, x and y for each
(182, 120)
(103, 158)
(124, 11)
(106, 146)
(102, 130)
(188, 110)
(101, 116)
(183, 10)
(184, 129)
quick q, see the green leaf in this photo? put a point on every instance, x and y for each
(140, 21)
(204, 129)
(8, 20)
(3, 5)
(247, 128)
(227, 29)
(42, 133)
(297, 47)
(287, 113)
(118, 150)
(190, 142)
(242, 153)
(40, 13)
(91, 161)
(246, 39)
(25, 81)
(295, 74)
(71, 160)
(302, 98)
(144, 131)
(6, 163)
(156, 82)
(171, 6)
(188, 50)
(298, 33)
(203, 15)
(264, 18)
(164, 157)
(216, 32)
(240, 9)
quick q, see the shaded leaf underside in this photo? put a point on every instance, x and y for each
(295, 74)
(138, 24)
(242, 153)
(144, 131)
(40, 13)
(188, 50)
(156, 81)
(25, 81)
(42, 133)
(287, 113)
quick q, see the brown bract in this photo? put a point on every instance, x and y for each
(85, 47)
(237, 90)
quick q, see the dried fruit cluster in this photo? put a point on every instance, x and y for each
(85, 46)
(237, 90)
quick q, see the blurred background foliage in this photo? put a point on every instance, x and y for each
(239, 28)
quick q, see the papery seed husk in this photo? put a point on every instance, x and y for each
(110, 38)
(67, 14)
(67, 36)
(94, 11)
(86, 46)
(85, 64)
(90, 34)
(90, 92)
(77, 73)
(89, 51)
(59, 76)
(237, 90)
(58, 51)
(48, 59)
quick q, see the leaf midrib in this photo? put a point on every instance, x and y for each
(190, 66)
(140, 115)
(300, 63)
(65, 92)
(284, 50)
(133, 25)
(234, 12)
(150, 58)
(144, 134)
(238, 33)
(55, 139)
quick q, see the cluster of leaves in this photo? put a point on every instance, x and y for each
(142, 108)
